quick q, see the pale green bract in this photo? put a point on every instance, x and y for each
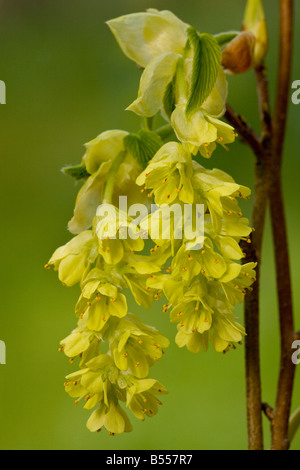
(202, 280)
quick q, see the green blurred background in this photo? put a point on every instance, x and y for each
(67, 81)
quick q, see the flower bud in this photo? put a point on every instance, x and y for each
(254, 22)
(237, 57)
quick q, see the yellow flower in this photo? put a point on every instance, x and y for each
(145, 36)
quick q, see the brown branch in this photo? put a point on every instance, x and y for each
(287, 368)
(262, 150)
(284, 74)
(251, 307)
(245, 131)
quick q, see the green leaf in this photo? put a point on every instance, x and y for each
(206, 64)
(143, 146)
(225, 38)
(78, 172)
(169, 98)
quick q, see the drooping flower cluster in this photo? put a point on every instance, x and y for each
(201, 276)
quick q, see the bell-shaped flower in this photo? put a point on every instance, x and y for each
(219, 191)
(104, 147)
(206, 261)
(141, 397)
(226, 332)
(107, 304)
(237, 280)
(73, 260)
(112, 417)
(135, 346)
(169, 174)
(145, 36)
(98, 159)
(117, 234)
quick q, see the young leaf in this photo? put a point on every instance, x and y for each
(169, 98)
(225, 38)
(206, 64)
(78, 172)
(143, 146)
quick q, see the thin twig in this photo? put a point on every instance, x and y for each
(251, 305)
(244, 130)
(251, 311)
